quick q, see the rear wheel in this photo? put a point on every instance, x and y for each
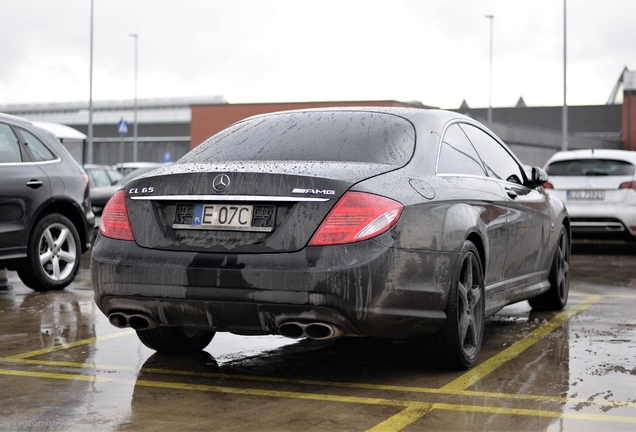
(458, 343)
(175, 340)
(53, 254)
(557, 296)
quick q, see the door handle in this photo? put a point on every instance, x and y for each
(34, 183)
(512, 194)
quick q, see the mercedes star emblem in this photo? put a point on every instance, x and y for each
(221, 182)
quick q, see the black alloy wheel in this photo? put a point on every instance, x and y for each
(457, 344)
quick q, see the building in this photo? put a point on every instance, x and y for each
(163, 125)
(168, 128)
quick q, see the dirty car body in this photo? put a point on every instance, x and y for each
(385, 222)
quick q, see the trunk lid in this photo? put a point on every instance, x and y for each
(240, 207)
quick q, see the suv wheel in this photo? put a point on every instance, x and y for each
(53, 254)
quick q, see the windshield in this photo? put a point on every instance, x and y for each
(324, 136)
(590, 167)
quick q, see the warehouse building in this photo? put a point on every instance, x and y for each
(168, 128)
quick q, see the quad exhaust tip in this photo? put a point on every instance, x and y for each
(315, 330)
(135, 320)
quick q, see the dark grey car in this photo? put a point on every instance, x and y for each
(386, 222)
(45, 218)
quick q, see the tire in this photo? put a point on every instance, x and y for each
(175, 340)
(457, 344)
(53, 254)
(556, 297)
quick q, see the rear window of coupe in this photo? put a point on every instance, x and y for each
(325, 136)
(590, 167)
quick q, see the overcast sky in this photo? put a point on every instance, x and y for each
(434, 51)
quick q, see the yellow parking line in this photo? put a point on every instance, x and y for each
(69, 345)
(339, 384)
(622, 296)
(479, 372)
(404, 418)
(211, 388)
(412, 412)
(535, 413)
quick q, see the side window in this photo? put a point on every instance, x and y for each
(457, 155)
(38, 149)
(498, 163)
(9, 145)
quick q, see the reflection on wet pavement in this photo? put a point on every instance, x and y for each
(64, 367)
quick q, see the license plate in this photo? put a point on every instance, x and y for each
(225, 217)
(586, 195)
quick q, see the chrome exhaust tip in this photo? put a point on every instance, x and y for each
(291, 330)
(323, 331)
(141, 322)
(315, 330)
(137, 321)
(118, 320)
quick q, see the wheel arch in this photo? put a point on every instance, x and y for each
(69, 210)
(479, 244)
(568, 227)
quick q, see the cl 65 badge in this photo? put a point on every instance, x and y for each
(144, 190)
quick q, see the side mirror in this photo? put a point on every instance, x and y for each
(538, 177)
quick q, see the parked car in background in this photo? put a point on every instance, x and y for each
(127, 167)
(102, 175)
(101, 194)
(599, 190)
(399, 223)
(46, 222)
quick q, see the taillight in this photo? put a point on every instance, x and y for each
(357, 216)
(548, 185)
(115, 222)
(628, 185)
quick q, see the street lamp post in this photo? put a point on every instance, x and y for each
(564, 121)
(491, 18)
(134, 35)
(89, 150)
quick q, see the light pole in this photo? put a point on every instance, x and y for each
(134, 35)
(564, 121)
(491, 18)
(89, 150)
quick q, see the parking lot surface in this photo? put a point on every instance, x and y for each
(64, 367)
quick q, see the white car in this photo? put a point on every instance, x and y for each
(598, 188)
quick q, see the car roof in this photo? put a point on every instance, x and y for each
(406, 112)
(98, 166)
(625, 155)
(137, 164)
(16, 119)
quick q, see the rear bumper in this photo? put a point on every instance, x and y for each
(601, 229)
(605, 222)
(365, 289)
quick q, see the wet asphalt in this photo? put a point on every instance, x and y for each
(64, 367)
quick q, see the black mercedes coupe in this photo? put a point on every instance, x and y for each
(399, 223)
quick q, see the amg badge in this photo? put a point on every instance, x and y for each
(314, 191)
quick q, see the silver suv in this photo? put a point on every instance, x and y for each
(46, 222)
